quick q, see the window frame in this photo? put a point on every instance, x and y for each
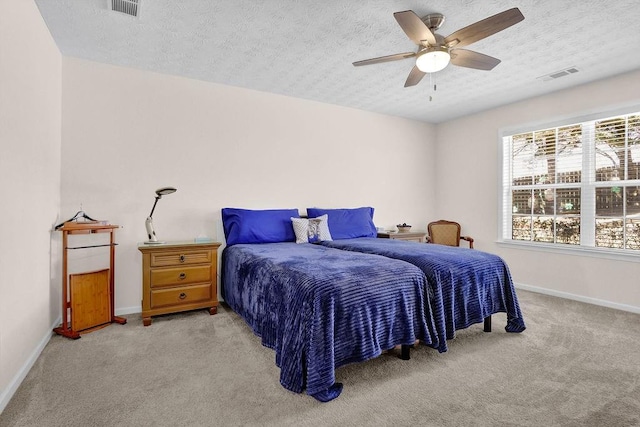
(586, 247)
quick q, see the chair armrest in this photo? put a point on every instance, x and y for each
(468, 239)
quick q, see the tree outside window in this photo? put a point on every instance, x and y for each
(561, 180)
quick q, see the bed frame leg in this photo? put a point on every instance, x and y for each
(487, 324)
(405, 352)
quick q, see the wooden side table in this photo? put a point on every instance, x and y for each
(412, 236)
(178, 276)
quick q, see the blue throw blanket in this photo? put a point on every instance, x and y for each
(321, 308)
(469, 284)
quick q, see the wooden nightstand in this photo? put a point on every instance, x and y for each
(178, 276)
(412, 236)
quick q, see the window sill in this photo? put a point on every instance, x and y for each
(614, 254)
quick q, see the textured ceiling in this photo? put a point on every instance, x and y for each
(304, 49)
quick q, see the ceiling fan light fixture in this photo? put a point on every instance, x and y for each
(433, 59)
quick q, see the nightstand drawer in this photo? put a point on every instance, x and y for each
(180, 275)
(181, 295)
(162, 259)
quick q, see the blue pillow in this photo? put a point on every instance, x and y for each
(347, 223)
(258, 226)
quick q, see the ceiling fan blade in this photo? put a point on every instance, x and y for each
(414, 77)
(387, 58)
(484, 28)
(471, 59)
(413, 26)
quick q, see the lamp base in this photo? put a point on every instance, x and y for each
(150, 242)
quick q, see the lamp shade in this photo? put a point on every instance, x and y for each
(165, 190)
(433, 59)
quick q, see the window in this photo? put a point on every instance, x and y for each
(577, 185)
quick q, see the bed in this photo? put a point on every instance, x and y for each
(469, 284)
(321, 308)
(322, 293)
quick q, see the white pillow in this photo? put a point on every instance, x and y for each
(310, 230)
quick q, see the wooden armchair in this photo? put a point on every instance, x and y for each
(446, 233)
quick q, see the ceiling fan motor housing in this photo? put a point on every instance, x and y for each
(433, 21)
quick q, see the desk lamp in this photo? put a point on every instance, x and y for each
(149, 222)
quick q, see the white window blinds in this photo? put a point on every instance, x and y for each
(577, 184)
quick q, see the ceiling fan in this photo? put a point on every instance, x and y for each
(435, 52)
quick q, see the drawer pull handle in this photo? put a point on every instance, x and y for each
(183, 276)
(181, 258)
(183, 295)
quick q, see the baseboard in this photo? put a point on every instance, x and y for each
(128, 310)
(580, 298)
(8, 393)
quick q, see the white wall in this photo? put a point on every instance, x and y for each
(30, 143)
(128, 132)
(469, 192)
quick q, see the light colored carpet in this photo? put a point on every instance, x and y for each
(575, 365)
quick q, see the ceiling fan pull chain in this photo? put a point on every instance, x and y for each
(430, 84)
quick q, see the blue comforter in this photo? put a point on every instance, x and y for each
(321, 308)
(469, 284)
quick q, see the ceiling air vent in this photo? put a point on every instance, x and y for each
(128, 7)
(558, 74)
